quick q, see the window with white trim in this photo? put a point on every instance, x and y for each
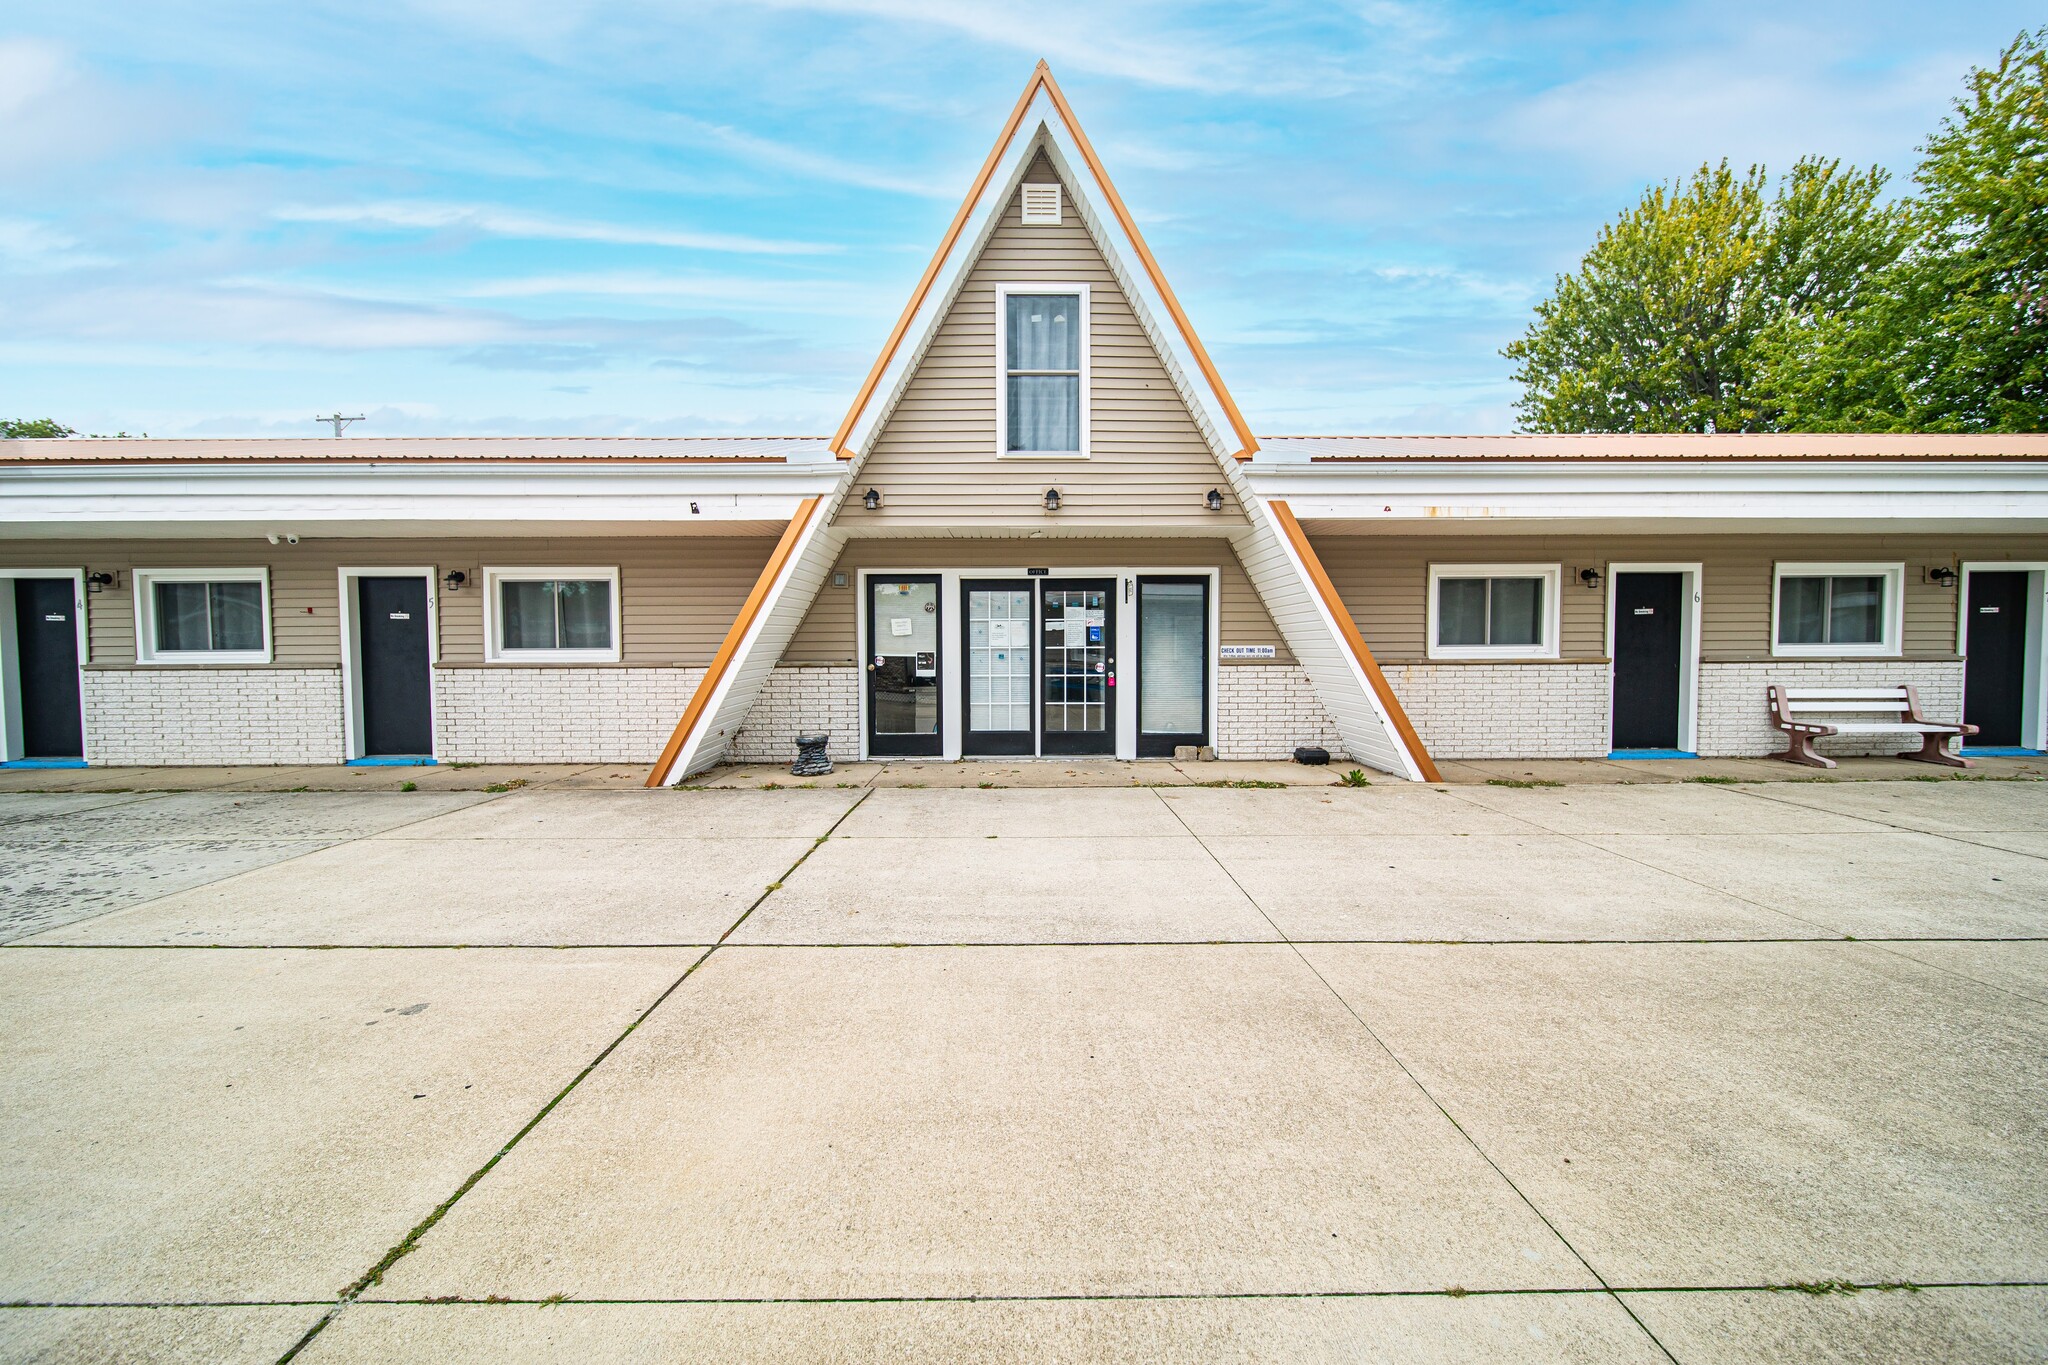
(202, 616)
(1493, 611)
(551, 615)
(1837, 609)
(1042, 350)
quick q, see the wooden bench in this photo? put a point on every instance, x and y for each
(1892, 710)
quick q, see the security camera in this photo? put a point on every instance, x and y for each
(291, 539)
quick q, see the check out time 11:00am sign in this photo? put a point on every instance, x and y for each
(1247, 651)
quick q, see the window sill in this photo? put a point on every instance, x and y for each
(1041, 455)
(564, 663)
(172, 665)
(1808, 655)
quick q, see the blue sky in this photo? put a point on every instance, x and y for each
(546, 216)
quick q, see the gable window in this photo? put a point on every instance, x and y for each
(551, 615)
(215, 616)
(1834, 609)
(1042, 348)
(1493, 611)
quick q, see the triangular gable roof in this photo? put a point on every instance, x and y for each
(1043, 120)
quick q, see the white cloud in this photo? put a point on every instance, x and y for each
(503, 222)
(841, 297)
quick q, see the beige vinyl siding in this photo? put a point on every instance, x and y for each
(828, 635)
(678, 595)
(935, 458)
(1384, 581)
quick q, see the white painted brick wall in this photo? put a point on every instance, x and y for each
(178, 717)
(1267, 710)
(559, 715)
(1735, 714)
(798, 701)
(1477, 710)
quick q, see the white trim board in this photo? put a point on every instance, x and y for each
(351, 645)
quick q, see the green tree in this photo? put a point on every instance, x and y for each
(32, 428)
(1955, 338)
(1661, 327)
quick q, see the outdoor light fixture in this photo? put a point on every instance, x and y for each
(1589, 578)
(1214, 499)
(1052, 499)
(1942, 576)
(693, 509)
(871, 499)
(95, 581)
(454, 579)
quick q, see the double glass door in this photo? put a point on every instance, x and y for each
(1040, 674)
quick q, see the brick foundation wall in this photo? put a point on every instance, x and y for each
(558, 715)
(801, 701)
(1266, 710)
(180, 717)
(1735, 715)
(1481, 710)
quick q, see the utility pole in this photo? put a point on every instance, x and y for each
(340, 422)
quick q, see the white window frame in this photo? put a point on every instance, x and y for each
(1553, 611)
(1003, 292)
(496, 653)
(1892, 617)
(146, 651)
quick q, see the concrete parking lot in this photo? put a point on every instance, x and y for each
(1684, 1071)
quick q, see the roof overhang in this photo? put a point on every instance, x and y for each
(1475, 497)
(412, 499)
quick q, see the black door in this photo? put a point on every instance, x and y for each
(398, 718)
(46, 639)
(1173, 665)
(903, 666)
(999, 698)
(1648, 657)
(1995, 665)
(1077, 665)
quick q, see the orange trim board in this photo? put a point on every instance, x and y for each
(1041, 77)
(1353, 640)
(700, 700)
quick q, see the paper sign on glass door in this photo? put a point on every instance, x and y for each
(899, 625)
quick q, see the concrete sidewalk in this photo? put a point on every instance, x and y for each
(1689, 1071)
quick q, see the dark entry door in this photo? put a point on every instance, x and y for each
(1077, 665)
(398, 717)
(903, 666)
(1648, 657)
(46, 639)
(1995, 667)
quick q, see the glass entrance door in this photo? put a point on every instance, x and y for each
(997, 672)
(1077, 665)
(1173, 665)
(903, 667)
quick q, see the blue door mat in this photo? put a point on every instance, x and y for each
(2005, 753)
(1652, 753)
(44, 763)
(393, 762)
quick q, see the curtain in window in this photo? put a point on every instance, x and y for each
(237, 610)
(528, 612)
(586, 606)
(181, 617)
(1517, 612)
(1802, 611)
(1855, 610)
(1045, 412)
(1045, 331)
(1461, 611)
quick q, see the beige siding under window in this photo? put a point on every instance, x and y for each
(678, 595)
(1384, 580)
(828, 635)
(935, 458)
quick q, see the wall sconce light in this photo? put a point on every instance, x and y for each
(454, 579)
(1052, 499)
(95, 581)
(693, 509)
(871, 499)
(1942, 576)
(1213, 500)
(1589, 578)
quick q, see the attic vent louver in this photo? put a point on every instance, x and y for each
(1042, 205)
